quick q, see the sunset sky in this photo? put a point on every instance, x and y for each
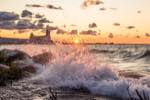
(125, 12)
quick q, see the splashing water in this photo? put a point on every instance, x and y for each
(76, 67)
(76, 64)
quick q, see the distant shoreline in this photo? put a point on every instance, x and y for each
(9, 41)
(70, 44)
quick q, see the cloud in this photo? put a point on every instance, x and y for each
(25, 24)
(7, 20)
(8, 16)
(21, 31)
(7, 24)
(20, 24)
(92, 25)
(44, 20)
(147, 34)
(51, 27)
(26, 13)
(54, 7)
(139, 11)
(60, 31)
(138, 36)
(39, 25)
(116, 24)
(39, 16)
(73, 25)
(11, 20)
(89, 32)
(87, 3)
(73, 32)
(113, 8)
(34, 5)
(130, 27)
(49, 6)
(102, 9)
(110, 35)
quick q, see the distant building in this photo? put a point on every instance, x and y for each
(33, 39)
(42, 39)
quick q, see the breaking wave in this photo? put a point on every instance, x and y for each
(75, 67)
(144, 54)
(125, 52)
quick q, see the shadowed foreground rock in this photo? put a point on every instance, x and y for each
(28, 89)
(3, 67)
(24, 66)
(15, 65)
(43, 58)
(8, 56)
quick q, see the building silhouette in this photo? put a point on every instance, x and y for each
(46, 39)
(42, 39)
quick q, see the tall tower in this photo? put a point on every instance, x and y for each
(49, 29)
(48, 35)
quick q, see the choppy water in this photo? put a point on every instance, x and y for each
(124, 57)
(94, 67)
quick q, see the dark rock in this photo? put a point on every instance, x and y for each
(43, 58)
(14, 66)
(76, 89)
(129, 74)
(17, 70)
(24, 66)
(3, 67)
(3, 74)
(8, 56)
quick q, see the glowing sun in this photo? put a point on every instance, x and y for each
(76, 41)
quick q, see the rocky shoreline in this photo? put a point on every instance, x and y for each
(17, 71)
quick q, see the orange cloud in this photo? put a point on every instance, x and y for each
(87, 3)
(130, 27)
(92, 25)
(116, 24)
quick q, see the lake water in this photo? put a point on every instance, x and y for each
(95, 67)
(123, 57)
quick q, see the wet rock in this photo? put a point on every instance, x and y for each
(24, 66)
(17, 70)
(129, 74)
(3, 74)
(17, 87)
(8, 56)
(43, 58)
(3, 67)
(14, 65)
